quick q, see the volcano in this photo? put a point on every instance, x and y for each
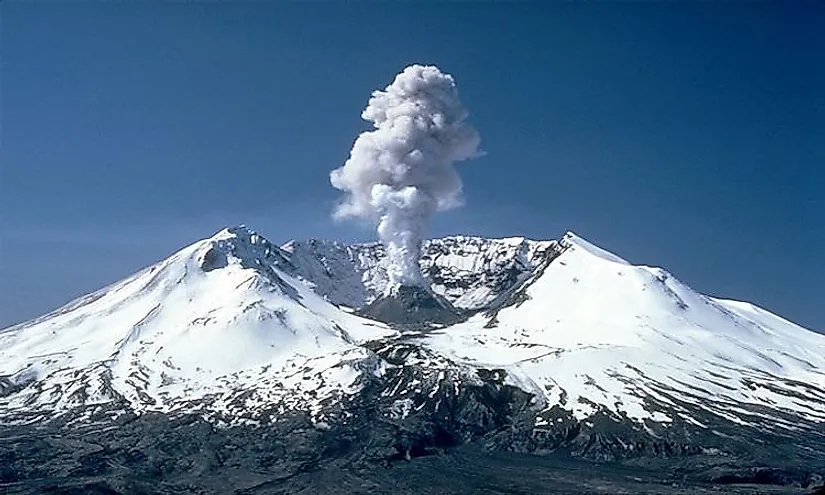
(236, 361)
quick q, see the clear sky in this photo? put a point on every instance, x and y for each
(685, 136)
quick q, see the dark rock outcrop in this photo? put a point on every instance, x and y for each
(409, 305)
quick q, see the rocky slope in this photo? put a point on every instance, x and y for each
(472, 273)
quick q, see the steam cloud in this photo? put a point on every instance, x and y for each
(402, 172)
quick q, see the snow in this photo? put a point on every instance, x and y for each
(247, 325)
(613, 333)
(574, 241)
(182, 329)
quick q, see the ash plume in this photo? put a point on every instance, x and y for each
(401, 172)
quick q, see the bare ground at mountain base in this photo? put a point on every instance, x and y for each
(189, 456)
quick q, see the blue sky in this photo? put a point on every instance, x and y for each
(684, 136)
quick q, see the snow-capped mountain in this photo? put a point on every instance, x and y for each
(215, 320)
(561, 346)
(585, 332)
(592, 330)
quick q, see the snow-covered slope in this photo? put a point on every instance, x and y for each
(595, 333)
(237, 328)
(215, 318)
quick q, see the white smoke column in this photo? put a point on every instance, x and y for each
(402, 172)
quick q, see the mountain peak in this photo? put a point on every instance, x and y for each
(240, 245)
(572, 240)
(239, 235)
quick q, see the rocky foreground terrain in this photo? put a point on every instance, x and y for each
(156, 454)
